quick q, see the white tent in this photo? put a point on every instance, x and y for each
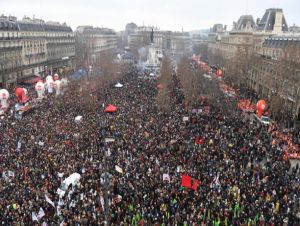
(118, 85)
(72, 179)
(78, 118)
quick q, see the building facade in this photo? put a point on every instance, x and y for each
(245, 36)
(277, 71)
(92, 43)
(176, 45)
(265, 49)
(11, 64)
(169, 43)
(224, 46)
(26, 44)
(60, 47)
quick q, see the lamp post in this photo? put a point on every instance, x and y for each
(102, 134)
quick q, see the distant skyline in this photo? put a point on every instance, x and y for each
(164, 14)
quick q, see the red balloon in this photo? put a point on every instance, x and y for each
(261, 106)
(21, 95)
(110, 109)
(219, 72)
(160, 86)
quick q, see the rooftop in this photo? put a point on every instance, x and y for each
(245, 23)
(281, 41)
(6, 25)
(268, 20)
(28, 24)
(95, 30)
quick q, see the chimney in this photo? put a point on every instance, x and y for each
(278, 22)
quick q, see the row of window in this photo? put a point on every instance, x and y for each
(272, 52)
(10, 63)
(10, 54)
(30, 44)
(61, 51)
(9, 35)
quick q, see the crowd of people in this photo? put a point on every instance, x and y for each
(244, 178)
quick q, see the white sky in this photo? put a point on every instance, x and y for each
(165, 14)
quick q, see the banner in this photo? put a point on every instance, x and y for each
(118, 169)
(186, 181)
(166, 177)
(49, 201)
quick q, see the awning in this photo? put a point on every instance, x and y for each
(33, 80)
(110, 109)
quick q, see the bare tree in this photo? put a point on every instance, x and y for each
(283, 81)
(237, 68)
(190, 82)
(201, 49)
(165, 80)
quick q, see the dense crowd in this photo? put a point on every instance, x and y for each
(244, 178)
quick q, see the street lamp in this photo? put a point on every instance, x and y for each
(102, 143)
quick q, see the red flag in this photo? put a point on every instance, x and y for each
(186, 181)
(195, 184)
(25, 173)
(198, 140)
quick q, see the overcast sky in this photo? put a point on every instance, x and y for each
(165, 14)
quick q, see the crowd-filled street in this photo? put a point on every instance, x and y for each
(243, 176)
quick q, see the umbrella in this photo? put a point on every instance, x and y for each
(78, 118)
(110, 109)
(118, 85)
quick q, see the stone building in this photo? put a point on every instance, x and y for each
(92, 43)
(26, 44)
(60, 41)
(11, 51)
(273, 21)
(176, 45)
(171, 44)
(235, 45)
(262, 49)
(246, 35)
(277, 71)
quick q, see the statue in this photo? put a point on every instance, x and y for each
(151, 36)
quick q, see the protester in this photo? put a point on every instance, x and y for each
(243, 177)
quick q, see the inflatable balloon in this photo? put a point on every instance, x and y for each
(40, 89)
(64, 85)
(4, 95)
(261, 106)
(219, 72)
(57, 87)
(49, 84)
(49, 77)
(21, 94)
(55, 77)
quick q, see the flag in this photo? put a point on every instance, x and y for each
(118, 169)
(216, 181)
(199, 140)
(166, 177)
(34, 216)
(102, 201)
(10, 173)
(186, 181)
(117, 199)
(41, 213)
(195, 184)
(49, 201)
